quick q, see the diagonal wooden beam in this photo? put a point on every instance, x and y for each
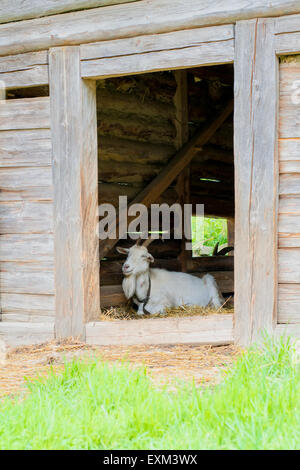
(161, 182)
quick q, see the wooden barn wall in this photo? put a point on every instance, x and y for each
(289, 191)
(26, 200)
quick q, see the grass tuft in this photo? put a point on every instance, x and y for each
(98, 406)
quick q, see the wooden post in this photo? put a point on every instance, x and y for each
(74, 149)
(256, 179)
(182, 137)
(230, 234)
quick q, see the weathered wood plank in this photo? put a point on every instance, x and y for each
(16, 10)
(292, 331)
(287, 24)
(27, 304)
(24, 179)
(289, 121)
(26, 217)
(289, 266)
(27, 247)
(289, 224)
(289, 149)
(289, 185)
(25, 148)
(288, 43)
(206, 54)
(289, 303)
(25, 317)
(22, 333)
(288, 241)
(74, 127)
(256, 176)
(28, 113)
(27, 278)
(132, 20)
(213, 329)
(24, 70)
(290, 166)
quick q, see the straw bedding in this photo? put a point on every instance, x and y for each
(165, 364)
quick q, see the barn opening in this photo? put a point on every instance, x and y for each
(143, 122)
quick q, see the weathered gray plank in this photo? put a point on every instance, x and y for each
(219, 52)
(27, 113)
(289, 224)
(289, 184)
(287, 24)
(25, 148)
(25, 317)
(27, 304)
(289, 303)
(288, 241)
(292, 331)
(289, 149)
(27, 247)
(74, 127)
(256, 176)
(26, 217)
(22, 333)
(18, 179)
(27, 278)
(289, 265)
(288, 43)
(24, 70)
(16, 10)
(213, 329)
(155, 43)
(289, 121)
(132, 20)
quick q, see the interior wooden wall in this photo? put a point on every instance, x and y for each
(289, 191)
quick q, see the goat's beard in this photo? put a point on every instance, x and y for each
(128, 285)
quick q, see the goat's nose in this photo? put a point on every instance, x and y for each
(126, 266)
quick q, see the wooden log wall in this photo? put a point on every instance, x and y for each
(289, 191)
(138, 134)
(26, 204)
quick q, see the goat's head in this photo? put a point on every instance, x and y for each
(138, 259)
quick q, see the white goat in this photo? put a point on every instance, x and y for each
(155, 289)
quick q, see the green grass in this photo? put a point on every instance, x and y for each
(94, 406)
(215, 231)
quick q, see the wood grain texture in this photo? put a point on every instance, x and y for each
(17, 10)
(292, 331)
(288, 303)
(25, 148)
(289, 265)
(26, 113)
(213, 329)
(134, 19)
(210, 53)
(256, 175)
(74, 127)
(26, 217)
(26, 278)
(24, 70)
(22, 333)
(32, 248)
(289, 121)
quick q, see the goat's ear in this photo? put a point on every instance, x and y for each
(150, 258)
(123, 251)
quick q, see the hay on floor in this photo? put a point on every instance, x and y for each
(127, 312)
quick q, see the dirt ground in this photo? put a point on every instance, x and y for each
(165, 364)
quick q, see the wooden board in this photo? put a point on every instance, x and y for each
(288, 303)
(74, 128)
(26, 113)
(26, 278)
(17, 10)
(133, 19)
(21, 333)
(213, 329)
(26, 217)
(34, 248)
(289, 265)
(25, 148)
(24, 70)
(256, 176)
